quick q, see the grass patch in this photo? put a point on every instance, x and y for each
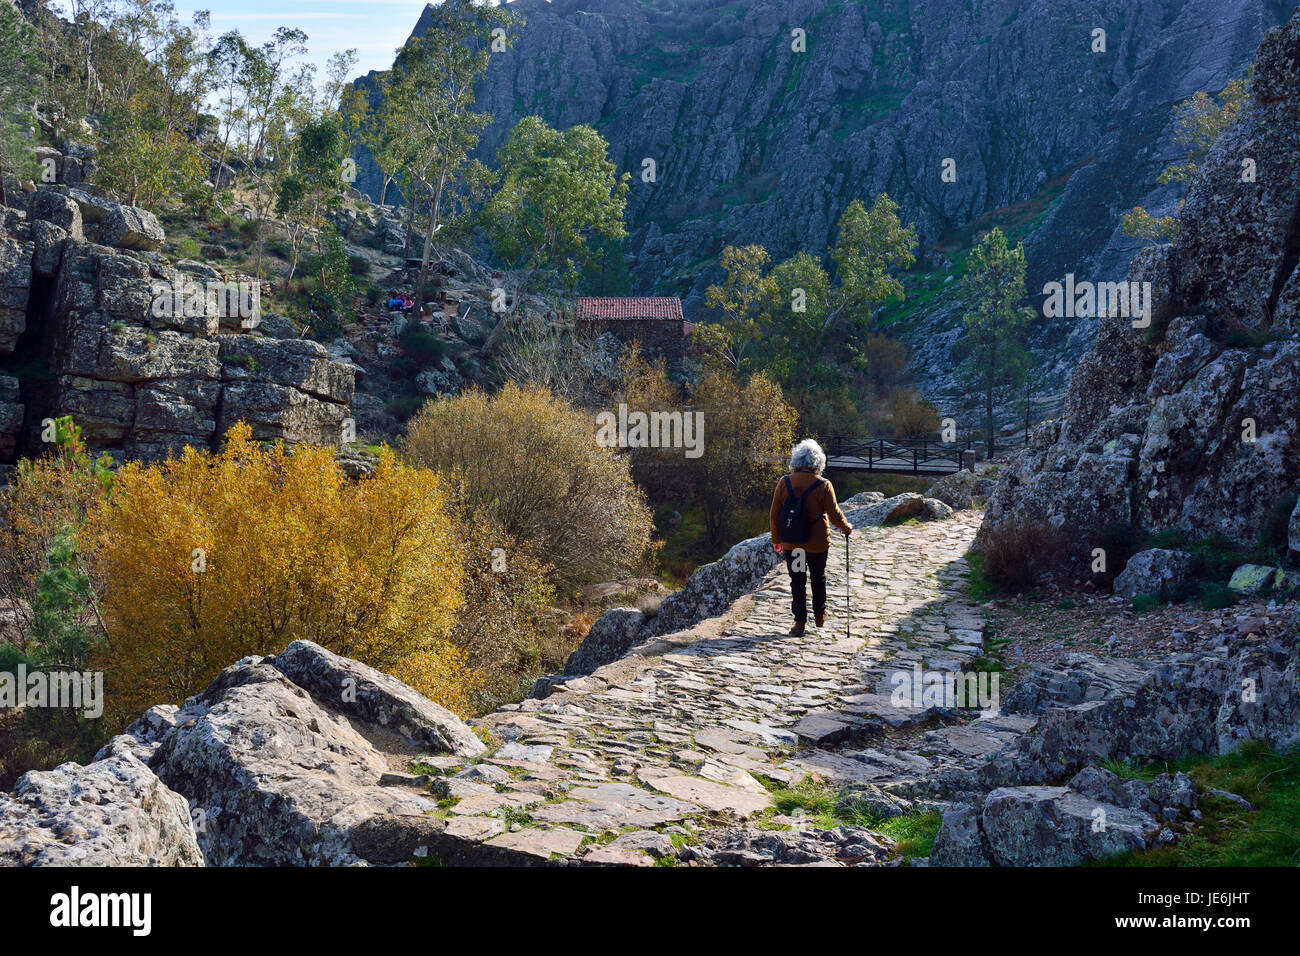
(978, 584)
(514, 815)
(912, 833)
(1229, 834)
(1145, 604)
(813, 799)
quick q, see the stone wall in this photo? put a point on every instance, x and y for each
(666, 337)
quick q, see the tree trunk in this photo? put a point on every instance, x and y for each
(410, 226)
(988, 398)
(494, 339)
(435, 210)
(293, 259)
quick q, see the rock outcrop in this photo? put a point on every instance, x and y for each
(1095, 816)
(113, 812)
(1160, 573)
(1094, 709)
(1192, 423)
(283, 761)
(147, 357)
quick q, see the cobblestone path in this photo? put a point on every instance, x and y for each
(634, 762)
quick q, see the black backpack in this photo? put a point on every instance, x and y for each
(796, 526)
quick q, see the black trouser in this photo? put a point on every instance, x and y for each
(816, 563)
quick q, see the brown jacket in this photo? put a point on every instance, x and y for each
(820, 506)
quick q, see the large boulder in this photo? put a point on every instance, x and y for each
(1095, 816)
(364, 693)
(113, 812)
(48, 205)
(1253, 580)
(960, 490)
(94, 209)
(283, 761)
(279, 777)
(130, 227)
(1159, 572)
(960, 841)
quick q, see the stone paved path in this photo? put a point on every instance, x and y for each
(668, 740)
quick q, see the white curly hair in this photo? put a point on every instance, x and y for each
(808, 456)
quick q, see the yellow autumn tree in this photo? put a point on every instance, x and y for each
(529, 461)
(748, 432)
(206, 558)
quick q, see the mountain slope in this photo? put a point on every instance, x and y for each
(756, 143)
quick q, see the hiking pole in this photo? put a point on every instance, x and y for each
(847, 602)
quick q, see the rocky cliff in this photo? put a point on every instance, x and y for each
(1193, 423)
(82, 333)
(755, 142)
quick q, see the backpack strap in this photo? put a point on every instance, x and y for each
(804, 494)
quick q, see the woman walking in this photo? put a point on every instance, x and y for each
(803, 509)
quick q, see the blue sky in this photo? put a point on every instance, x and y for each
(376, 28)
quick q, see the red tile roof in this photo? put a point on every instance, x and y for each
(630, 309)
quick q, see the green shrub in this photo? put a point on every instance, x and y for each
(422, 346)
(403, 407)
(248, 231)
(1215, 596)
(1145, 603)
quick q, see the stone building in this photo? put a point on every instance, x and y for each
(657, 323)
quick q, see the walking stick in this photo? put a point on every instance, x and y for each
(847, 602)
